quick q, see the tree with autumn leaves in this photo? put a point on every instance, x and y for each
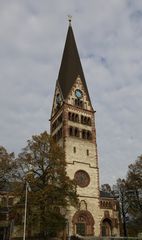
(134, 196)
(7, 167)
(129, 194)
(43, 167)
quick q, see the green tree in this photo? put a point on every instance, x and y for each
(119, 190)
(134, 195)
(129, 193)
(134, 186)
(7, 167)
(42, 164)
(106, 188)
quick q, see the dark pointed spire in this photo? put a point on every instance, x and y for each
(70, 67)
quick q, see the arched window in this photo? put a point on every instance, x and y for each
(69, 115)
(78, 103)
(73, 117)
(71, 131)
(76, 118)
(106, 228)
(85, 120)
(89, 121)
(84, 134)
(89, 135)
(76, 132)
(82, 119)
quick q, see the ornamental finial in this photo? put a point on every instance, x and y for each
(69, 19)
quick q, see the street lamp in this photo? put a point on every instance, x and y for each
(26, 201)
(25, 213)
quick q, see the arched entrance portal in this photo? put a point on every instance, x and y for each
(106, 227)
(83, 223)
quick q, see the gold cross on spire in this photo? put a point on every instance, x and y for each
(69, 18)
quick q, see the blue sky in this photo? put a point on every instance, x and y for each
(109, 39)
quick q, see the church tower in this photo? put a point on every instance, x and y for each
(73, 127)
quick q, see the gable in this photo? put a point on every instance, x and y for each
(79, 86)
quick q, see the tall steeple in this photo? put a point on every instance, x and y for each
(73, 128)
(71, 66)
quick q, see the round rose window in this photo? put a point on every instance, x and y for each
(82, 178)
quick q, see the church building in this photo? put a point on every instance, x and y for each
(73, 127)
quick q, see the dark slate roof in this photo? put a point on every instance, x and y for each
(70, 65)
(104, 194)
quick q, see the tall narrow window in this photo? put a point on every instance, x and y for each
(89, 135)
(69, 115)
(83, 134)
(73, 117)
(71, 131)
(74, 149)
(87, 152)
(78, 103)
(89, 121)
(76, 118)
(76, 132)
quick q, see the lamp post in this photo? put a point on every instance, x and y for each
(25, 213)
(26, 200)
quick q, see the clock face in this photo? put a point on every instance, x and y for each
(78, 93)
(82, 178)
